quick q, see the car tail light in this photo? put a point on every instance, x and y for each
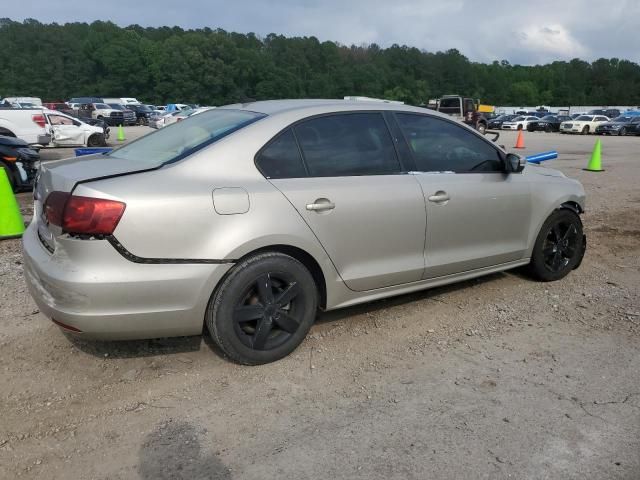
(83, 215)
(39, 119)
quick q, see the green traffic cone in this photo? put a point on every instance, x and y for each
(11, 222)
(595, 164)
(121, 134)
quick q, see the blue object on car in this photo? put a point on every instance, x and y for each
(541, 157)
(91, 151)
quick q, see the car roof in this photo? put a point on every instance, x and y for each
(316, 106)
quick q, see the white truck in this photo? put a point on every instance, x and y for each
(28, 124)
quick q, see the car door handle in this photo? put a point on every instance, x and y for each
(320, 205)
(439, 197)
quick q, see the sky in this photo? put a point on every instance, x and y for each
(527, 33)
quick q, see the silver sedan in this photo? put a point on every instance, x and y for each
(249, 218)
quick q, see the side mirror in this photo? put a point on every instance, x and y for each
(515, 163)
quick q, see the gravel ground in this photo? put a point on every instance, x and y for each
(499, 377)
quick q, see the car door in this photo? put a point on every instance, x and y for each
(64, 131)
(349, 186)
(477, 215)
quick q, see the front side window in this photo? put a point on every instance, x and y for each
(281, 158)
(347, 144)
(59, 120)
(184, 138)
(441, 146)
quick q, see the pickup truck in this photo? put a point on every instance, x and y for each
(102, 111)
(27, 124)
(465, 109)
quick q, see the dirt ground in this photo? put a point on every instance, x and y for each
(499, 377)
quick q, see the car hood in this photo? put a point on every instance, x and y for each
(533, 169)
(613, 124)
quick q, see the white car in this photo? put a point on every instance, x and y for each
(583, 124)
(519, 123)
(67, 131)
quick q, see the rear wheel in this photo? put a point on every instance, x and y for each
(559, 247)
(6, 133)
(263, 309)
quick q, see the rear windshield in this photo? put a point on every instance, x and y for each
(181, 139)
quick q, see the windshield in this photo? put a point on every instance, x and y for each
(549, 118)
(622, 118)
(184, 138)
(116, 106)
(102, 106)
(143, 108)
(584, 118)
(518, 119)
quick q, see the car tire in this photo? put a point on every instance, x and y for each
(547, 128)
(247, 317)
(559, 247)
(95, 141)
(519, 127)
(585, 130)
(622, 132)
(481, 128)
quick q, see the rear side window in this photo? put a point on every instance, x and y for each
(346, 145)
(281, 158)
(184, 138)
(441, 146)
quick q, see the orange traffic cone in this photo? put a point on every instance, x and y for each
(520, 140)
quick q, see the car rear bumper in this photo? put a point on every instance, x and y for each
(101, 295)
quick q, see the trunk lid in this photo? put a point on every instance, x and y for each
(64, 175)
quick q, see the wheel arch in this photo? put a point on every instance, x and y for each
(6, 132)
(303, 257)
(573, 206)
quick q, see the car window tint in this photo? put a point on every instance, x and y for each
(281, 158)
(439, 145)
(347, 144)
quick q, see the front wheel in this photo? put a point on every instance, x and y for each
(263, 309)
(559, 247)
(585, 130)
(623, 131)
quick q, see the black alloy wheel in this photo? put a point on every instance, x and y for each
(263, 309)
(559, 247)
(268, 313)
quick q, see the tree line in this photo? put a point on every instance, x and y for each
(215, 67)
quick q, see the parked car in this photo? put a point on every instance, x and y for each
(68, 131)
(158, 120)
(20, 160)
(496, 123)
(26, 124)
(621, 125)
(519, 123)
(101, 111)
(142, 113)
(605, 112)
(583, 124)
(279, 222)
(548, 123)
(129, 116)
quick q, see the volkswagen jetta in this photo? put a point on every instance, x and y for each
(248, 218)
